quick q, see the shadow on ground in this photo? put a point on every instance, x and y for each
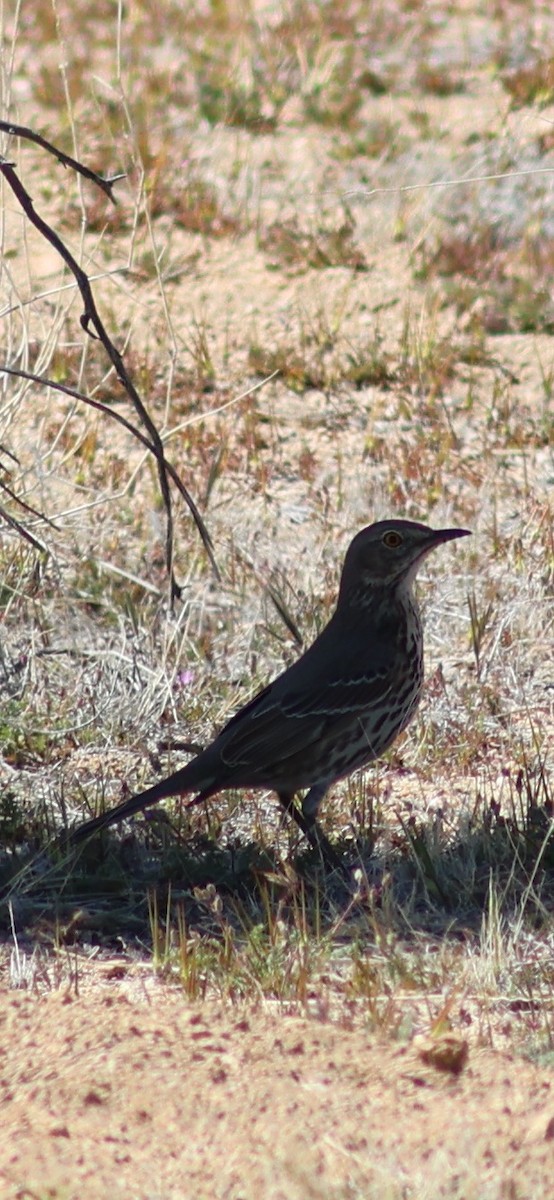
(419, 881)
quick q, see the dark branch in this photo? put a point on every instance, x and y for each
(141, 437)
(93, 325)
(21, 530)
(66, 160)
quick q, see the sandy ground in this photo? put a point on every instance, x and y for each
(127, 1090)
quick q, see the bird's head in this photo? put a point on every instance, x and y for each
(387, 555)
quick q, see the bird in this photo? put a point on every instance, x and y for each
(337, 708)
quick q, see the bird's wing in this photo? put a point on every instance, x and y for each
(351, 693)
(280, 723)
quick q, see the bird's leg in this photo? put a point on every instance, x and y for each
(310, 808)
(310, 829)
(312, 800)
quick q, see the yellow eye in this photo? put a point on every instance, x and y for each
(392, 539)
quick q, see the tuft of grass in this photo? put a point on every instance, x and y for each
(502, 281)
(292, 248)
(291, 363)
(531, 83)
(192, 203)
(436, 80)
(379, 137)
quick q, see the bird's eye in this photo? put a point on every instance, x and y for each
(392, 539)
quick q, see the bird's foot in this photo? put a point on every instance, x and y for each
(313, 834)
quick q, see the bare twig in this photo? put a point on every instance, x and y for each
(121, 420)
(12, 521)
(93, 325)
(20, 529)
(23, 132)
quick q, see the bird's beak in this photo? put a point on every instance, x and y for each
(434, 538)
(437, 536)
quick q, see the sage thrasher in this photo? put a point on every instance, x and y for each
(339, 706)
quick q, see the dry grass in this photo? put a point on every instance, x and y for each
(409, 334)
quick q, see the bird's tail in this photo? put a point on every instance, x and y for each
(188, 779)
